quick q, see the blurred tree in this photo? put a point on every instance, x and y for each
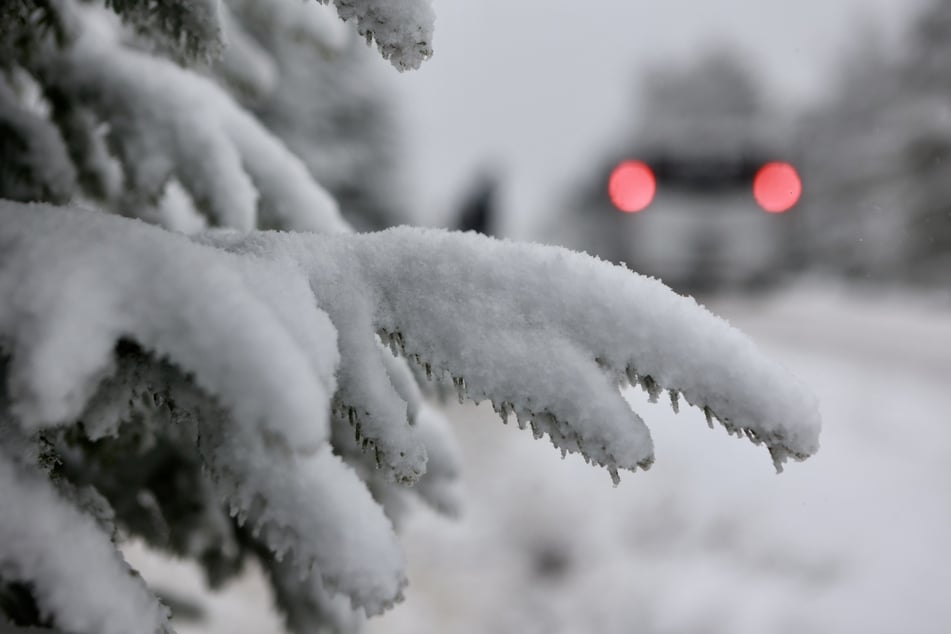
(851, 220)
(323, 92)
(926, 78)
(701, 106)
(876, 159)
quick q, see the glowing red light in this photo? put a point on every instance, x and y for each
(632, 186)
(777, 187)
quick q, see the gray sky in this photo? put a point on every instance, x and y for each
(537, 86)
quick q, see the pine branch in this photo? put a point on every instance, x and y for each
(76, 283)
(277, 322)
(402, 29)
(189, 29)
(34, 162)
(544, 333)
(82, 581)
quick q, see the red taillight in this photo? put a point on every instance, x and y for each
(632, 186)
(777, 187)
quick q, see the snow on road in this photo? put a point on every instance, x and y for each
(710, 540)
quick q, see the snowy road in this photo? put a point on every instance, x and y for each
(710, 540)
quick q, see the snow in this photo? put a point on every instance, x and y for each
(542, 332)
(39, 152)
(312, 509)
(851, 540)
(402, 29)
(552, 356)
(246, 66)
(76, 282)
(77, 574)
(242, 359)
(309, 509)
(188, 28)
(168, 122)
(253, 349)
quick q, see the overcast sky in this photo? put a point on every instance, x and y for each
(538, 85)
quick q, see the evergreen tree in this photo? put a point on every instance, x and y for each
(876, 156)
(927, 151)
(852, 220)
(310, 80)
(231, 377)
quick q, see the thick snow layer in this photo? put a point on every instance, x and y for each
(544, 333)
(565, 329)
(76, 282)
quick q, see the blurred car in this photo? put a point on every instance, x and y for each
(704, 228)
(696, 194)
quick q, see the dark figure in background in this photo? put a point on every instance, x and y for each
(478, 211)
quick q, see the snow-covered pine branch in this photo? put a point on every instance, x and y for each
(278, 322)
(190, 29)
(34, 161)
(327, 97)
(33, 550)
(270, 372)
(402, 29)
(235, 171)
(544, 333)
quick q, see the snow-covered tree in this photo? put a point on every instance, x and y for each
(310, 80)
(928, 147)
(876, 205)
(196, 349)
(851, 218)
